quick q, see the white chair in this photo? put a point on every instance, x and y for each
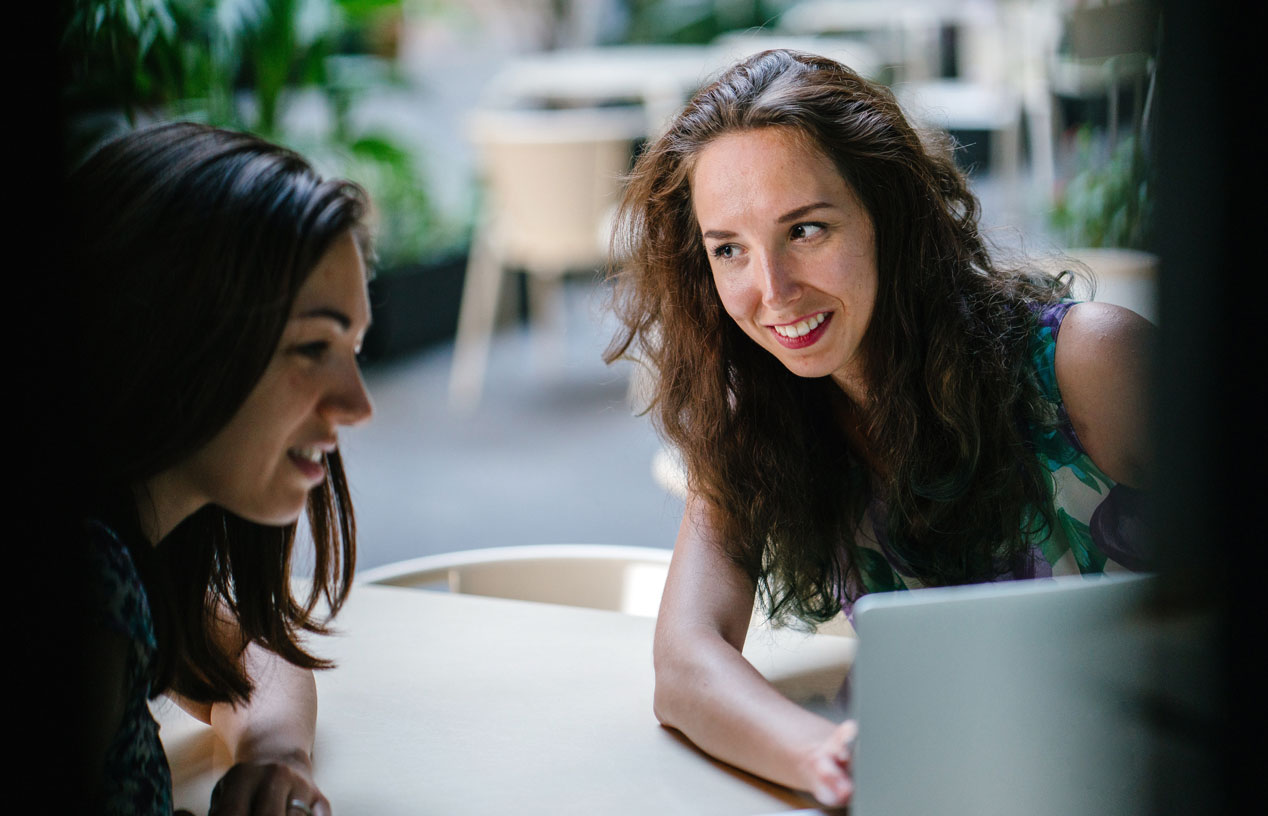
(551, 181)
(957, 105)
(597, 576)
(1002, 81)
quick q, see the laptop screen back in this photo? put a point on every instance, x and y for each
(1023, 697)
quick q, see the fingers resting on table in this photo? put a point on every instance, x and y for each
(830, 766)
(267, 789)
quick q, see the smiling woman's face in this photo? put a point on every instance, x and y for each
(791, 249)
(262, 465)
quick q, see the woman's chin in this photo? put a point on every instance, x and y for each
(281, 515)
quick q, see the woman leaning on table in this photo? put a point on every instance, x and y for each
(865, 400)
(223, 305)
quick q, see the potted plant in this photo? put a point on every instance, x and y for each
(421, 255)
(233, 65)
(1106, 203)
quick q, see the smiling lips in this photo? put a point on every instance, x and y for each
(310, 461)
(804, 332)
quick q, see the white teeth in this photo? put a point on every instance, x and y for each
(311, 454)
(804, 327)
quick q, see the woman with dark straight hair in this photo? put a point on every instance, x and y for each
(864, 397)
(222, 288)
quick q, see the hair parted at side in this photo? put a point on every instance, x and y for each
(944, 353)
(189, 244)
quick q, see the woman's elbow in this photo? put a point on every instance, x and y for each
(660, 706)
(668, 693)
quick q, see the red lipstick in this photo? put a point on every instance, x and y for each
(808, 339)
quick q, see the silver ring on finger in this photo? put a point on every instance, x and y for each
(300, 805)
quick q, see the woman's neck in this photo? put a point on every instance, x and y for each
(162, 502)
(851, 418)
(853, 384)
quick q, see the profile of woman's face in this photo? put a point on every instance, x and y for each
(263, 463)
(791, 249)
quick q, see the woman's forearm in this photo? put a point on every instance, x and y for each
(709, 692)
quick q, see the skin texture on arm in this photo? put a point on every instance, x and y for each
(270, 738)
(708, 691)
(1102, 365)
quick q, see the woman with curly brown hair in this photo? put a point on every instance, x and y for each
(864, 398)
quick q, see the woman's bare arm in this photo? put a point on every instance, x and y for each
(270, 738)
(708, 691)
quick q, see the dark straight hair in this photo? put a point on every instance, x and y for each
(188, 246)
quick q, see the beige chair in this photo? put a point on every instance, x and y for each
(597, 576)
(551, 179)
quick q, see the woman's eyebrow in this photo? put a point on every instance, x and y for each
(801, 212)
(334, 314)
(791, 215)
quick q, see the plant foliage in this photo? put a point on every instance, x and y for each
(232, 63)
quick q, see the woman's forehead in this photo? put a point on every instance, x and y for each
(771, 169)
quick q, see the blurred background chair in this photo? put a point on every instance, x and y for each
(597, 576)
(976, 69)
(992, 86)
(550, 182)
(1107, 59)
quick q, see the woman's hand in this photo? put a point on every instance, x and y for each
(269, 787)
(827, 767)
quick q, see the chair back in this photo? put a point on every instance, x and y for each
(552, 179)
(620, 579)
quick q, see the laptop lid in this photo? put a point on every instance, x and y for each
(1021, 697)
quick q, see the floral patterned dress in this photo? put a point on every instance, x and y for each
(1099, 523)
(137, 780)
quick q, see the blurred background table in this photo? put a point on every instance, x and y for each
(447, 703)
(657, 78)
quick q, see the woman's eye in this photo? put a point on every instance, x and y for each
(724, 251)
(313, 351)
(806, 230)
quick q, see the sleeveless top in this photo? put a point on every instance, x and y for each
(1098, 523)
(136, 777)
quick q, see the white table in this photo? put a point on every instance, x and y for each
(459, 704)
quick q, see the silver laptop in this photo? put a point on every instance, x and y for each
(1021, 698)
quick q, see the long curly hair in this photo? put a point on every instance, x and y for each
(189, 246)
(952, 396)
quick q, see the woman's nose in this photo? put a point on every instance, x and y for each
(349, 403)
(777, 284)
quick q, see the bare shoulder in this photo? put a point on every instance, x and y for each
(1103, 359)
